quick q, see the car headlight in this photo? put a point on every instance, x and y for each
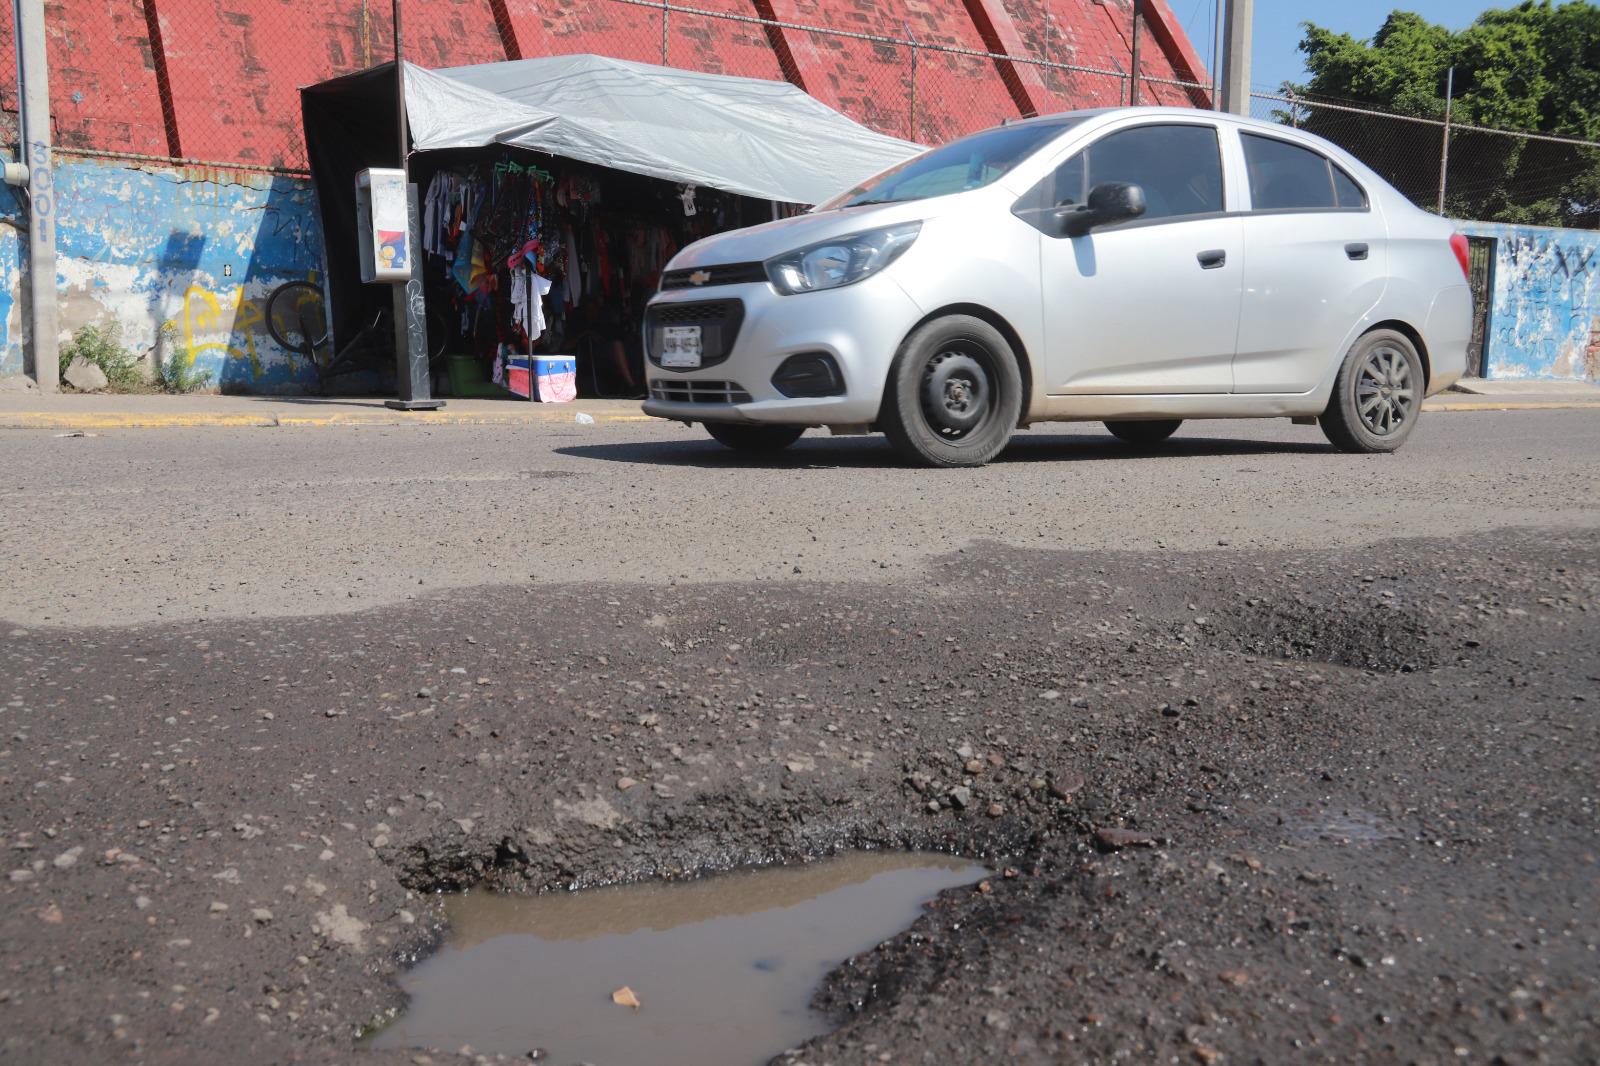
(842, 260)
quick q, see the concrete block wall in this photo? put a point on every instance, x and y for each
(1544, 313)
(182, 259)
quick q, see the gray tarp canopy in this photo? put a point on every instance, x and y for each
(765, 139)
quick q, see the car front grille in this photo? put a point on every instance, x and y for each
(722, 274)
(719, 322)
(690, 391)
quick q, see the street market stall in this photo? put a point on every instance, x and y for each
(552, 192)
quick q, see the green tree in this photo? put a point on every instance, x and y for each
(1534, 67)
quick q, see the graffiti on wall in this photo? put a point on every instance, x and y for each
(215, 323)
(182, 261)
(1545, 316)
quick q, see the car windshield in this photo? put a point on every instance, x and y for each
(969, 163)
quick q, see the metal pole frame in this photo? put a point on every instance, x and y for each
(412, 377)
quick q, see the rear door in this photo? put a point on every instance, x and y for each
(1316, 262)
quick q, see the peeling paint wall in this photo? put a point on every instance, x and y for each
(183, 259)
(1544, 318)
(13, 247)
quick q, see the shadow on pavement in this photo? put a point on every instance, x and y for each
(830, 453)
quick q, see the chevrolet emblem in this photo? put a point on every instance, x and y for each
(699, 277)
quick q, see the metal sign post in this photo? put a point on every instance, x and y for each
(412, 377)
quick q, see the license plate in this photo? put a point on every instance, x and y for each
(680, 346)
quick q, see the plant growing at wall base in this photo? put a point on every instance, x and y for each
(176, 373)
(179, 375)
(102, 346)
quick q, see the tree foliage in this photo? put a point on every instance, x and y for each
(1534, 67)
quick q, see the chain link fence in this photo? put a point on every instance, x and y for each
(1459, 170)
(195, 82)
(198, 82)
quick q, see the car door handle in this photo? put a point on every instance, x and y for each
(1357, 252)
(1212, 258)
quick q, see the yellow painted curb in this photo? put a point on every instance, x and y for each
(128, 420)
(110, 421)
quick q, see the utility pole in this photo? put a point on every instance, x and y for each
(413, 378)
(34, 114)
(1236, 56)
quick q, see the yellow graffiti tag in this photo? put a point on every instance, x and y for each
(202, 316)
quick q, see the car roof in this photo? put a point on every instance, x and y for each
(1162, 111)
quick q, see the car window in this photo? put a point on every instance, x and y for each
(1287, 177)
(969, 163)
(1349, 193)
(1178, 167)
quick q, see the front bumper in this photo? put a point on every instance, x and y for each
(859, 326)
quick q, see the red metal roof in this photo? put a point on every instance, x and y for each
(217, 80)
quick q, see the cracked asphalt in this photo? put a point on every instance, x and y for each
(1279, 755)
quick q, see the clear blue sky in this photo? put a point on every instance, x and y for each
(1277, 26)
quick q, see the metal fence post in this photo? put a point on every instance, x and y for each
(1133, 78)
(664, 10)
(44, 343)
(911, 37)
(1444, 152)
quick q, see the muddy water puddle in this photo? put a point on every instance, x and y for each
(723, 968)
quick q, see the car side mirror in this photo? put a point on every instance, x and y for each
(1109, 202)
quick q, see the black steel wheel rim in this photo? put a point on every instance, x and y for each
(1385, 394)
(957, 391)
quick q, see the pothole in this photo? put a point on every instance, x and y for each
(723, 969)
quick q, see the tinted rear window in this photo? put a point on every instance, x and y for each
(1350, 194)
(1287, 177)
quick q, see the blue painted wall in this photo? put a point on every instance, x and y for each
(13, 242)
(182, 258)
(1544, 318)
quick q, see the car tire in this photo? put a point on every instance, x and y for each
(954, 394)
(1144, 434)
(754, 440)
(1377, 396)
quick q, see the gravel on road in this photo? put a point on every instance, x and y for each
(1277, 755)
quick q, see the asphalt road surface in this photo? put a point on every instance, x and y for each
(1279, 755)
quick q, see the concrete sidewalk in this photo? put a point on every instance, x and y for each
(1482, 394)
(72, 411)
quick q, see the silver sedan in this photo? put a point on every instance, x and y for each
(1135, 266)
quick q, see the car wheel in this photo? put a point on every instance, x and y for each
(1377, 396)
(757, 440)
(1144, 432)
(954, 394)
